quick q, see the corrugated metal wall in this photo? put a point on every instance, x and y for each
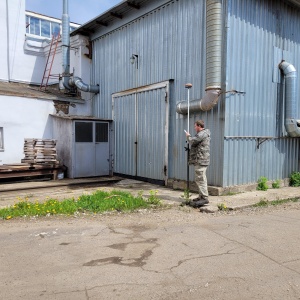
(170, 44)
(260, 35)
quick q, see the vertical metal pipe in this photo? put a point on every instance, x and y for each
(188, 116)
(213, 44)
(188, 86)
(66, 44)
(292, 125)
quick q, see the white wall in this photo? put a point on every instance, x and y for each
(23, 60)
(23, 118)
(27, 118)
(21, 66)
(4, 41)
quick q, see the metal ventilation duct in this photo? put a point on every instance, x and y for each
(291, 106)
(68, 81)
(213, 61)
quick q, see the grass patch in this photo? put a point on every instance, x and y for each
(98, 202)
(264, 203)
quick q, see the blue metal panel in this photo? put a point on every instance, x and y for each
(260, 35)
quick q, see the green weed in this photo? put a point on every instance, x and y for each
(222, 206)
(186, 195)
(276, 184)
(262, 184)
(153, 199)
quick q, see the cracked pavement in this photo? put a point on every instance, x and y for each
(175, 253)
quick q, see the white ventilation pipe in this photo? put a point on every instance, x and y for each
(292, 126)
(68, 81)
(213, 61)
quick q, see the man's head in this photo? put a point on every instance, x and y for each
(199, 125)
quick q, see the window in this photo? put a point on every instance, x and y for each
(83, 132)
(101, 132)
(1, 139)
(34, 26)
(55, 28)
(43, 27)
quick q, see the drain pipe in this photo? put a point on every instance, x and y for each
(290, 74)
(68, 81)
(213, 61)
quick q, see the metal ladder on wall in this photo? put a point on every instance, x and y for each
(49, 63)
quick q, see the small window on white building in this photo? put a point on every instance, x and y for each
(1, 139)
(44, 26)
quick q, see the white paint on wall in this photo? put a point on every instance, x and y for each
(23, 59)
(23, 118)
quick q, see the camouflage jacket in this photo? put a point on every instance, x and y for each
(200, 147)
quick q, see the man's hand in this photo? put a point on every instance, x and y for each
(187, 133)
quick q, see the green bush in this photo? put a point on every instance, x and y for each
(262, 184)
(295, 179)
(276, 184)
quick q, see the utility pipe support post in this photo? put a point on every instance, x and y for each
(188, 86)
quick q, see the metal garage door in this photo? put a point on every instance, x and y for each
(141, 131)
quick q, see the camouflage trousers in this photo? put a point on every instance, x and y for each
(201, 180)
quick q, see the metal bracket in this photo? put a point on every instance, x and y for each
(259, 141)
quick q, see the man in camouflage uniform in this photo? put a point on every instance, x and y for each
(199, 157)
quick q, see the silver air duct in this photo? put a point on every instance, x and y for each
(68, 81)
(85, 87)
(291, 107)
(213, 61)
(66, 45)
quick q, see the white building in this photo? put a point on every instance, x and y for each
(24, 109)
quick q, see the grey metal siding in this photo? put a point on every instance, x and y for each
(260, 35)
(170, 44)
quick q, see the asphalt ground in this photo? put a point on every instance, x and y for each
(165, 254)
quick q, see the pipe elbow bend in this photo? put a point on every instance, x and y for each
(292, 127)
(85, 87)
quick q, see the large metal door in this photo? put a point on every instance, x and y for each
(141, 132)
(91, 155)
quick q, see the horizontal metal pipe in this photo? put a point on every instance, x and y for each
(85, 87)
(209, 100)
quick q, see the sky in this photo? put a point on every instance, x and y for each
(80, 11)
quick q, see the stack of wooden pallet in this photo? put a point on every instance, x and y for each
(40, 151)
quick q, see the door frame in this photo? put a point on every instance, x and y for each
(159, 85)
